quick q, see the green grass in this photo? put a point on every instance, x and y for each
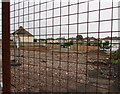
(82, 45)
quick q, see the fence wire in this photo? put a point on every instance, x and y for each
(64, 46)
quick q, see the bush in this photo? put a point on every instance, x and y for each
(106, 47)
(116, 55)
(116, 62)
(35, 40)
(68, 43)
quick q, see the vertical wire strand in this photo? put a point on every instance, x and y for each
(53, 46)
(87, 45)
(77, 45)
(98, 49)
(60, 52)
(40, 45)
(23, 50)
(34, 45)
(68, 47)
(46, 49)
(109, 86)
(14, 49)
(28, 51)
(19, 47)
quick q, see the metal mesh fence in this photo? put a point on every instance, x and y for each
(64, 46)
(0, 46)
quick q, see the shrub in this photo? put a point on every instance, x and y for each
(68, 43)
(116, 62)
(116, 55)
(106, 47)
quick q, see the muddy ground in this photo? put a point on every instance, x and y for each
(62, 71)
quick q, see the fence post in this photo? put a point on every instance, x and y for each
(6, 45)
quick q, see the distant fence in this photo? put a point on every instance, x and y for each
(56, 46)
(36, 44)
(84, 48)
(26, 43)
(53, 46)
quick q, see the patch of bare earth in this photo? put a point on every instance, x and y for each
(55, 71)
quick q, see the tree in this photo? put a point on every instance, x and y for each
(106, 45)
(35, 40)
(71, 42)
(68, 43)
(79, 37)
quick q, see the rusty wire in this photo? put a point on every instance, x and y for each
(48, 69)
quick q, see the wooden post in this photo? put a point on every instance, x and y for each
(6, 45)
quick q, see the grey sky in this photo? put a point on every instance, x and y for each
(93, 16)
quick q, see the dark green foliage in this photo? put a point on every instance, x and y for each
(116, 55)
(35, 40)
(106, 45)
(79, 37)
(68, 43)
(88, 44)
(116, 62)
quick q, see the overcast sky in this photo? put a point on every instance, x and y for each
(38, 27)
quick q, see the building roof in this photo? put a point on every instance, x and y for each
(60, 39)
(90, 38)
(41, 39)
(111, 38)
(50, 39)
(22, 32)
(72, 38)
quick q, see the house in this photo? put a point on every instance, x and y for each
(74, 40)
(57, 40)
(51, 40)
(90, 40)
(61, 40)
(22, 35)
(114, 42)
(41, 41)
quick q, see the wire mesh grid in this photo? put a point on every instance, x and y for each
(64, 46)
(0, 46)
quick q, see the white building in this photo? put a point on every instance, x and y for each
(114, 42)
(22, 35)
(61, 40)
